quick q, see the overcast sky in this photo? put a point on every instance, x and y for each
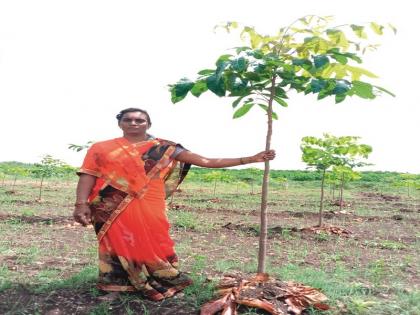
(68, 67)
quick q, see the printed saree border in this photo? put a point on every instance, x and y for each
(115, 288)
(105, 227)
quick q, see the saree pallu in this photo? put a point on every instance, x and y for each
(128, 207)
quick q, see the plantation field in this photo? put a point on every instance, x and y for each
(48, 263)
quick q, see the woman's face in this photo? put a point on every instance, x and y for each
(134, 123)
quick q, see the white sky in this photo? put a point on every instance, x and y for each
(68, 67)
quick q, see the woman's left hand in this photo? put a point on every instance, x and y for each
(264, 156)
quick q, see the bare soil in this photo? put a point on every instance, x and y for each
(68, 248)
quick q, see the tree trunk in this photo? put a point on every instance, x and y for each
(321, 204)
(333, 192)
(262, 249)
(214, 188)
(14, 183)
(40, 188)
(341, 191)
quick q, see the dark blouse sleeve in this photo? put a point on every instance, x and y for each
(178, 149)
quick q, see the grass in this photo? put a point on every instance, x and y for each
(86, 277)
(372, 272)
(201, 290)
(189, 221)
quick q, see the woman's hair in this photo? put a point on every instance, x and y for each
(131, 110)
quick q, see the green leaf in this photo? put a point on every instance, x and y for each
(256, 53)
(265, 108)
(216, 84)
(280, 92)
(340, 58)
(341, 87)
(339, 98)
(180, 89)
(357, 72)
(199, 88)
(206, 72)
(237, 86)
(359, 31)
(354, 57)
(320, 61)
(322, 94)
(338, 38)
(280, 101)
(243, 110)
(363, 89)
(238, 100)
(317, 85)
(378, 29)
(222, 60)
(254, 38)
(243, 48)
(239, 64)
(304, 63)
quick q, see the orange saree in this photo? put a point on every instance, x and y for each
(128, 207)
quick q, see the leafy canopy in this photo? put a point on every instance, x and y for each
(308, 56)
(329, 151)
(49, 167)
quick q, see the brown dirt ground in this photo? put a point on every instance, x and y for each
(237, 230)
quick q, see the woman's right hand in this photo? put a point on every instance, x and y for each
(82, 214)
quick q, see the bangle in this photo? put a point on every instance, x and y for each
(241, 160)
(80, 203)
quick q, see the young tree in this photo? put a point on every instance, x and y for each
(48, 167)
(343, 174)
(325, 153)
(307, 56)
(250, 176)
(409, 181)
(215, 177)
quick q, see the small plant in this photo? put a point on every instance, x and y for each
(48, 167)
(322, 237)
(201, 290)
(28, 212)
(377, 270)
(360, 306)
(386, 244)
(185, 220)
(4, 282)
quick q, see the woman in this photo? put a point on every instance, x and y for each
(121, 190)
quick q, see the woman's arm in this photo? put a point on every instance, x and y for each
(198, 160)
(82, 213)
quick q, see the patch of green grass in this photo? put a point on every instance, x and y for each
(201, 290)
(335, 284)
(227, 264)
(86, 277)
(189, 221)
(322, 237)
(386, 244)
(376, 271)
(28, 255)
(4, 278)
(101, 309)
(47, 276)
